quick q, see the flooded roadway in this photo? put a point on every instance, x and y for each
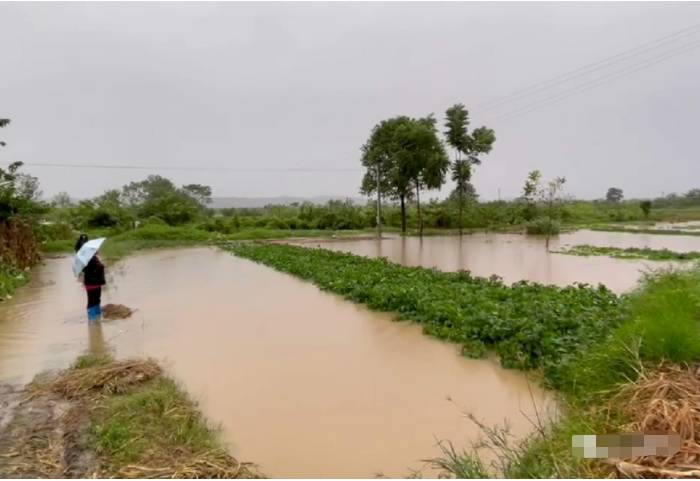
(303, 383)
(517, 257)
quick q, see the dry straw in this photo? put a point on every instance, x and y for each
(113, 378)
(665, 399)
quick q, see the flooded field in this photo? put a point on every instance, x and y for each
(302, 382)
(517, 257)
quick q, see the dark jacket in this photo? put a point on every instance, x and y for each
(94, 273)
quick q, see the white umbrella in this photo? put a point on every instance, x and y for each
(83, 256)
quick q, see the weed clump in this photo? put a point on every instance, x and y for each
(666, 309)
(543, 226)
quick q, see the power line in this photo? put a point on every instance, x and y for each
(586, 69)
(599, 81)
(190, 169)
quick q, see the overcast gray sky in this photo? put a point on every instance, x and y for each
(274, 85)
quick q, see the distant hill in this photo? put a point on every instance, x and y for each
(241, 202)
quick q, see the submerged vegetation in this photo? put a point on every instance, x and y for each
(529, 325)
(630, 253)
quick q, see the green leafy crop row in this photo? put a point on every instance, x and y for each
(529, 325)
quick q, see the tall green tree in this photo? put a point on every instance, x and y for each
(425, 158)
(386, 175)
(466, 148)
(3, 123)
(402, 156)
(159, 197)
(614, 194)
(201, 193)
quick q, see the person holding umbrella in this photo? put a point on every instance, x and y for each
(88, 265)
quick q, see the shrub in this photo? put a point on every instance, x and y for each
(103, 218)
(543, 226)
(154, 220)
(55, 231)
(277, 223)
(218, 225)
(163, 233)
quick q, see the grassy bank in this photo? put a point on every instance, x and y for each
(122, 419)
(630, 253)
(530, 326)
(641, 378)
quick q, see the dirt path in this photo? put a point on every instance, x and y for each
(45, 426)
(40, 436)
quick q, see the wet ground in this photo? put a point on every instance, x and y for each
(517, 257)
(302, 382)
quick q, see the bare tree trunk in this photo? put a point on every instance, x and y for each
(379, 205)
(420, 217)
(461, 209)
(458, 157)
(549, 222)
(403, 214)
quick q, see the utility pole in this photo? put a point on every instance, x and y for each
(379, 205)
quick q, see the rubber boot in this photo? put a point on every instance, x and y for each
(93, 314)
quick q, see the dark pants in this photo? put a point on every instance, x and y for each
(94, 297)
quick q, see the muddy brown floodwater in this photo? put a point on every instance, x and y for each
(302, 382)
(517, 257)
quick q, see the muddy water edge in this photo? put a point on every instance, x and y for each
(302, 382)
